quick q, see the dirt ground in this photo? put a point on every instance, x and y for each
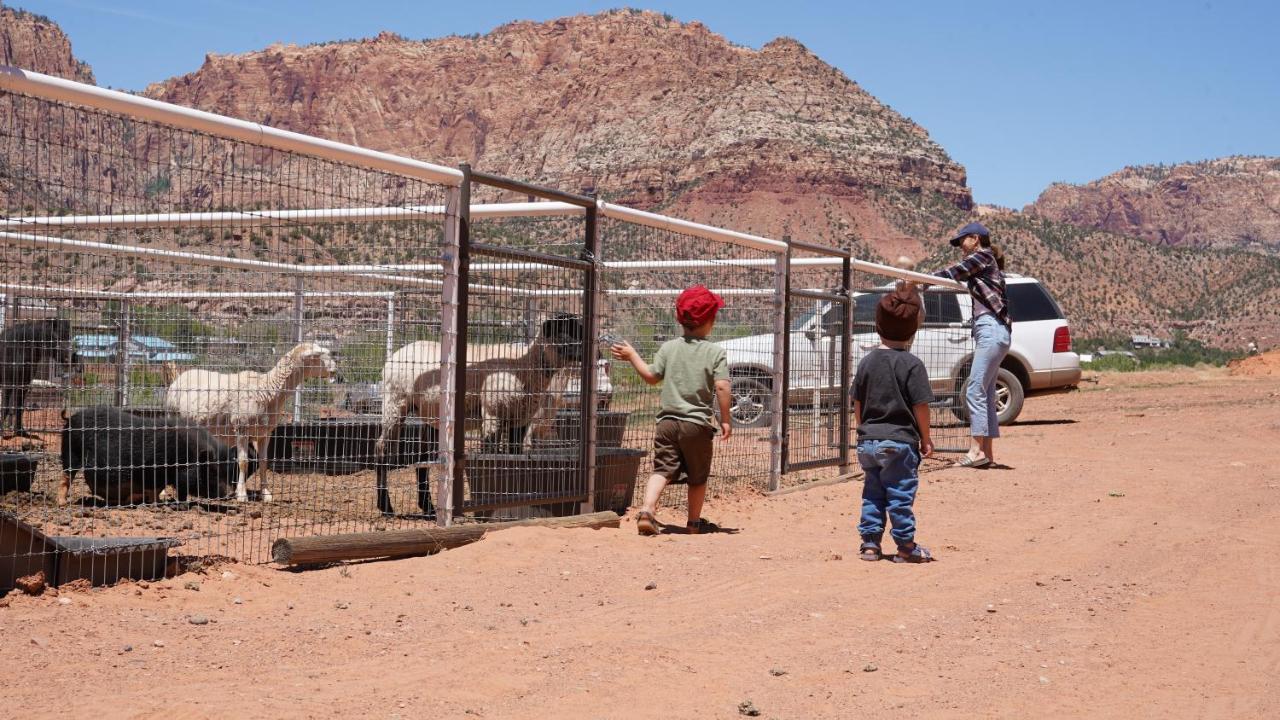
(1124, 566)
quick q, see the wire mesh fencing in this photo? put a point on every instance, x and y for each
(644, 270)
(212, 338)
(195, 333)
(817, 424)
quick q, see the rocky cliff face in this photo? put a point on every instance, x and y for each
(643, 109)
(1110, 283)
(34, 42)
(1229, 202)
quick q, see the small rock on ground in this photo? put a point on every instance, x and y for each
(870, 667)
(198, 620)
(746, 707)
(651, 586)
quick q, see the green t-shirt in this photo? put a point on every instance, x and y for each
(689, 367)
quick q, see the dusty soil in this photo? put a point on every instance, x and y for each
(1124, 566)
(1266, 364)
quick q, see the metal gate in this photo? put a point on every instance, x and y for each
(816, 359)
(526, 362)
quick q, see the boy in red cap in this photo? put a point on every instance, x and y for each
(692, 371)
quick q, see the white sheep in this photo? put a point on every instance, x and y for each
(505, 388)
(246, 406)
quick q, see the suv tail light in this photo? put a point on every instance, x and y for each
(1062, 339)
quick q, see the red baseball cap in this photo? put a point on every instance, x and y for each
(696, 305)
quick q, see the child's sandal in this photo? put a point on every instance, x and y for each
(915, 554)
(646, 524)
(700, 526)
(870, 551)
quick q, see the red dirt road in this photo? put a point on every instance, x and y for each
(1126, 567)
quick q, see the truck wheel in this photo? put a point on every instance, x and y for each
(752, 400)
(1009, 397)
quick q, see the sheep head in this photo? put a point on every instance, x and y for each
(314, 361)
(563, 336)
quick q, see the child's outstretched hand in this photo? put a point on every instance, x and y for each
(622, 350)
(726, 429)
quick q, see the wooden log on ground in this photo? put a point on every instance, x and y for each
(417, 541)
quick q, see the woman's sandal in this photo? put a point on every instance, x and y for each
(645, 524)
(915, 554)
(969, 462)
(870, 551)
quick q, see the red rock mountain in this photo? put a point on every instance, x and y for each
(1229, 202)
(37, 43)
(644, 109)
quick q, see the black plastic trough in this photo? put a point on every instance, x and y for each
(550, 485)
(25, 550)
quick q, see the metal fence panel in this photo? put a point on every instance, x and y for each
(172, 296)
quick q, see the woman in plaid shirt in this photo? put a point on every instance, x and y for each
(982, 269)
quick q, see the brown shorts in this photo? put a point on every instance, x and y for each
(682, 451)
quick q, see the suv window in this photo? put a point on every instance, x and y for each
(941, 308)
(1029, 302)
(864, 310)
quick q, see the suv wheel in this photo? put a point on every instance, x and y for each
(1009, 397)
(751, 402)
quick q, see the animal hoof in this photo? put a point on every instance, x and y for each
(242, 497)
(266, 496)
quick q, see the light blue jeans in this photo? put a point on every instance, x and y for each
(888, 488)
(990, 345)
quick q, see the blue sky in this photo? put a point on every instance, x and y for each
(1021, 93)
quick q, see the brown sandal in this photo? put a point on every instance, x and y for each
(645, 524)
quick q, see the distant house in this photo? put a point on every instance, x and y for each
(141, 349)
(1150, 341)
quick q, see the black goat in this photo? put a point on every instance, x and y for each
(23, 346)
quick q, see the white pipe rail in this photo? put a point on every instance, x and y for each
(52, 88)
(91, 294)
(251, 218)
(366, 272)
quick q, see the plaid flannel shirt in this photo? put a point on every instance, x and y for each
(986, 283)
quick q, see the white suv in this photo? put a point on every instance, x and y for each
(1039, 361)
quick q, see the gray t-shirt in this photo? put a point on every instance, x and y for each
(689, 367)
(888, 384)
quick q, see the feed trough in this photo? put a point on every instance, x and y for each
(25, 550)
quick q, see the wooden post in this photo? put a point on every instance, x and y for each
(419, 541)
(781, 334)
(446, 437)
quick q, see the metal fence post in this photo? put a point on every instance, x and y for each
(591, 323)
(781, 343)
(456, 205)
(461, 260)
(846, 362)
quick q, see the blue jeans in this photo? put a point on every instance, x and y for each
(892, 476)
(990, 345)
